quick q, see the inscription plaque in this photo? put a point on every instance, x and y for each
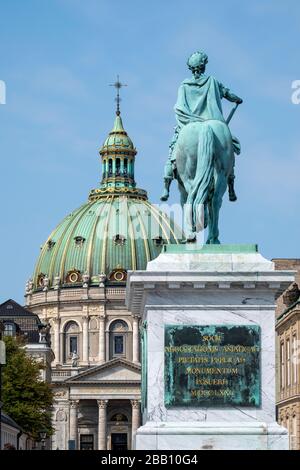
(215, 365)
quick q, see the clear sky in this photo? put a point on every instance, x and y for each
(58, 58)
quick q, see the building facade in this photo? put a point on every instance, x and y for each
(78, 288)
(288, 354)
(15, 321)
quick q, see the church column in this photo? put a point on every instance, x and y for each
(136, 418)
(56, 340)
(101, 355)
(102, 404)
(73, 421)
(135, 339)
(85, 339)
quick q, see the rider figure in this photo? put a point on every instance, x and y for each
(199, 99)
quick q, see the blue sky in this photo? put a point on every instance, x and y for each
(57, 59)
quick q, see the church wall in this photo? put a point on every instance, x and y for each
(63, 312)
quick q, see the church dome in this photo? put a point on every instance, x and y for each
(116, 230)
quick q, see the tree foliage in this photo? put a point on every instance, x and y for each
(26, 397)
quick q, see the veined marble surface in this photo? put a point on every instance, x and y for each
(156, 320)
(208, 289)
(217, 436)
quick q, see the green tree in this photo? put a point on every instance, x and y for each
(26, 398)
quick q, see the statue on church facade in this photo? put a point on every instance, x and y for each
(74, 359)
(201, 155)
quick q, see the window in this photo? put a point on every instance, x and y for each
(73, 344)
(86, 442)
(110, 167)
(118, 332)
(71, 341)
(288, 362)
(119, 417)
(118, 344)
(79, 241)
(9, 329)
(282, 381)
(118, 166)
(73, 276)
(294, 359)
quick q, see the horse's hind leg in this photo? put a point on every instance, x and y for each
(182, 192)
(216, 203)
(188, 228)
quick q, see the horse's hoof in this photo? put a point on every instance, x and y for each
(191, 239)
(214, 241)
(164, 198)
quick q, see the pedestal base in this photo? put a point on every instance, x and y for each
(211, 436)
(208, 348)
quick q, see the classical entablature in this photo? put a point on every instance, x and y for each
(115, 372)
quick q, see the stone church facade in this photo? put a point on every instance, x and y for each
(97, 396)
(78, 288)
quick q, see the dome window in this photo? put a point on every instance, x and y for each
(73, 277)
(119, 239)
(79, 241)
(118, 275)
(40, 280)
(158, 241)
(50, 244)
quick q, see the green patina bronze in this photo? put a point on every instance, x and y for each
(212, 366)
(202, 150)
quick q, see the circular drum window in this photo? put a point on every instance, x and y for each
(119, 276)
(73, 277)
(40, 280)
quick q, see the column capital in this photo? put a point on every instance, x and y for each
(85, 318)
(102, 317)
(136, 404)
(136, 316)
(102, 403)
(85, 309)
(56, 320)
(74, 404)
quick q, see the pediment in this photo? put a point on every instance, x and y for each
(116, 370)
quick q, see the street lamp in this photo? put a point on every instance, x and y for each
(43, 437)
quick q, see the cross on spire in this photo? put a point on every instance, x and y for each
(118, 85)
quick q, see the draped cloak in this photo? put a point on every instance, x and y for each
(200, 100)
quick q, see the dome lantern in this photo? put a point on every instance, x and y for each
(118, 157)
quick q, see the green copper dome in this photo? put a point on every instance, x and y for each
(115, 231)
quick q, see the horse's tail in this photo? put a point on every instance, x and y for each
(202, 182)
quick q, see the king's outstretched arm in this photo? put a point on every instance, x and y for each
(232, 97)
(226, 93)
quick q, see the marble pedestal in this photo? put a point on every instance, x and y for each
(209, 285)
